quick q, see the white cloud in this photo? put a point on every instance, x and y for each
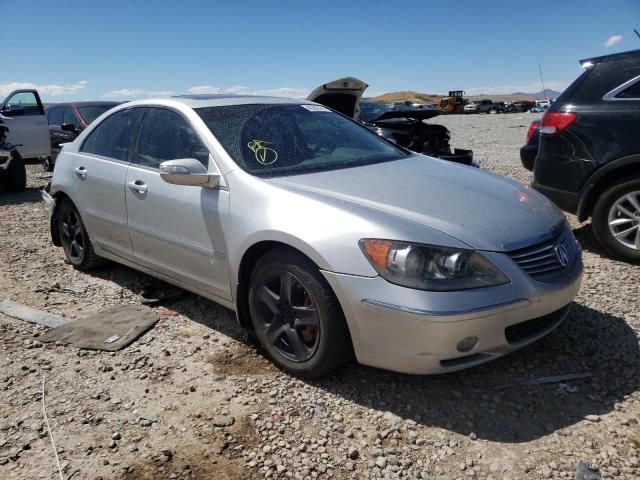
(44, 90)
(508, 89)
(242, 90)
(612, 40)
(137, 92)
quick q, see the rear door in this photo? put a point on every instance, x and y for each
(27, 123)
(342, 95)
(176, 229)
(100, 171)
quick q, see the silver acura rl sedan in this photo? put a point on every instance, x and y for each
(326, 240)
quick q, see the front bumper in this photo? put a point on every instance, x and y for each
(418, 332)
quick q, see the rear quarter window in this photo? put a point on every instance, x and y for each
(603, 78)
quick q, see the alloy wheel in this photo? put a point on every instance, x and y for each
(288, 316)
(72, 235)
(624, 220)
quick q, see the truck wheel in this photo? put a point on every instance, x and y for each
(75, 239)
(15, 178)
(47, 163)
(616, 220)
(296, 316)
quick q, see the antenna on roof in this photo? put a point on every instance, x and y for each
(544, 90)
(638, 34)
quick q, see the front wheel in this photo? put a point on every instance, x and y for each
(15, 178)
(296, 316)
(74, 238)
(616, 220)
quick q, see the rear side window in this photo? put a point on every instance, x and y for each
(113, 137)
(55, 116)
(631, 92)
(165, 135)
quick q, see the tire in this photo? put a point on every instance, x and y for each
(75, 239)
(15, 178)
(47, 163)
(304, 333)
(626, 217)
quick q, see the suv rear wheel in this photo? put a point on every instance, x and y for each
(616, 220)
(296, 316)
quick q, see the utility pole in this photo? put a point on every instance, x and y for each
(544, 90)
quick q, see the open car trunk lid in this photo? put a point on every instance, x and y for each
(342, 95)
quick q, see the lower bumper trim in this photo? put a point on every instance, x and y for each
(443, 313)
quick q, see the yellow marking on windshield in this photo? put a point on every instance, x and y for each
(264, 155)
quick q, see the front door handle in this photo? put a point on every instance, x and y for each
(81, 172)
(138, 186)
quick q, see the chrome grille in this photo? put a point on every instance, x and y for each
(541, 260)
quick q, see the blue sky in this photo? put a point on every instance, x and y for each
(77, 50)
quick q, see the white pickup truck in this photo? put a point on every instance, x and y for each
(22, 113)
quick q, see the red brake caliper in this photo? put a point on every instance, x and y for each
(308, 332)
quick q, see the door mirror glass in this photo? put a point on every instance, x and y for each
(188, 171)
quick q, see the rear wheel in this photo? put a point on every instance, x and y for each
(296, 316)
(75, 239)
(616, 220)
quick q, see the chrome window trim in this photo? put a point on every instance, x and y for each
(611, 96)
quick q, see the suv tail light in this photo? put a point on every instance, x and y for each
(532, 128)
(553, 123)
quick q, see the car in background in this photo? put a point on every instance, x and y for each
(522, 106)
(25, 131)
(589, 158)
(537, 109)
(327, 240)
(497, 107)
(478, 106)
(67, 120)
(529, 151)
(406, 127)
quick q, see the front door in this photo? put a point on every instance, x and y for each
(27, 123)
(175, 229)
(100, 171)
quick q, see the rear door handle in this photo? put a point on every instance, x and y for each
(81, 172)
(138, 186)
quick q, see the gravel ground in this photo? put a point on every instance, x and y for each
(197, 400)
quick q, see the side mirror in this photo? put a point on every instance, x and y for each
(13, 110)
(68, 127)
(188, 171)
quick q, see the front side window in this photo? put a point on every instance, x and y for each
(69, 116)
(90, 112)
(276, 139)
(23, 104)
(113, 136)
(166, 135)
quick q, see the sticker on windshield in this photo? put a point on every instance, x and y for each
(264, 155)
(315, 108)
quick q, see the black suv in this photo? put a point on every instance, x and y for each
(589, 158)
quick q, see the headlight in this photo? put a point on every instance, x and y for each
(431, 267)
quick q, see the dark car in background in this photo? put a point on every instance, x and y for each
(408, 129)
(589, 158)
(67, 120)
(529, 151)
(523, 105)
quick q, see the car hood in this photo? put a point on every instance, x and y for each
(411, 114)
(484, 210)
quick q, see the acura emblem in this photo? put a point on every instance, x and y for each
(562, 255)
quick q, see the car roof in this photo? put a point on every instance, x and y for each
(84, 104)
(611, 57)
(220, 100)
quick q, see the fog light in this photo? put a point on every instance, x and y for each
(467, 344)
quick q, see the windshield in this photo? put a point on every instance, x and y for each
(369, 111)
(90, 112)
(284, 139)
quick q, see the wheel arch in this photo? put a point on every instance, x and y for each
(602, 179)
(59, 196)
(249, 259)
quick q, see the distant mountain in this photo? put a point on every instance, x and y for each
(542, 94)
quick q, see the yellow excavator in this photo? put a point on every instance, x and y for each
(454, 102)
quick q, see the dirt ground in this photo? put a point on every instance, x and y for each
(195, 398)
